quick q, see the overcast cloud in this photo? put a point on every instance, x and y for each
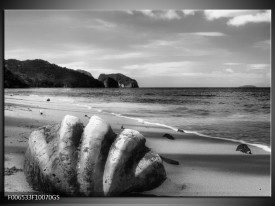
(170, 48)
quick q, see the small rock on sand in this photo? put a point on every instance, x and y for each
(48, 100)
(243, 148)
(180, 130)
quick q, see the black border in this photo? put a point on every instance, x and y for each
(133, 4)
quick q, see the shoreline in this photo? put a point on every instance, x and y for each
(143, 121)
(208, 167)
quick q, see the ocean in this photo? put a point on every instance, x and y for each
(236, 114)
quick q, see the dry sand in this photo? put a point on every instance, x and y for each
(208, 167)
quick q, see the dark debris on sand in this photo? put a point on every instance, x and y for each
(12, 171)
(169, 161)
(168, 136)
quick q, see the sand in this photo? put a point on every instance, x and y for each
(207, 167)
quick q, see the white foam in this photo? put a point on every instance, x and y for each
(264, 147)
(116, 114)
(62, 99)
(146, 122)
(126, 117)
(83, 105)
(162, 125)
(141, 121)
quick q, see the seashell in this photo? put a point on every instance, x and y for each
(93, 161)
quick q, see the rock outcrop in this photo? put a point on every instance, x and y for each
(244, 149)
(93, 161)
(122, 80)
(110, 83)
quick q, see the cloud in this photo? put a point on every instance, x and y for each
(239, 17)
(168, 65)
(100, 24)
(162, 68)
(122, 56)
(235, 17)
(265, 45)
(229, 70)
(258, 66)
(129, 12)
(182, 45)
(216, 14)
(244, 19)
(159, 43)
(232, 64)
(105, 23)
(208, 34)
(51, 53)
(75, 65)
(188, 12)
(170, 14)
(149, 13)
(164, 15)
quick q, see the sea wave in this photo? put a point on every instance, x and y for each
(264, 147)
(143, 121)
(140, 120)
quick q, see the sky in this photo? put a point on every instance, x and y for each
(158, 48)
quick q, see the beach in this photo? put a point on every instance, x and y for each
(207, 166)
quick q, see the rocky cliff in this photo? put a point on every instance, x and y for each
(110, 83)
(122, 80)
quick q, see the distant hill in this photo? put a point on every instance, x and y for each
(122, 80)
(248, 86)
(40, 73)
(13, 81)
(85, 72)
